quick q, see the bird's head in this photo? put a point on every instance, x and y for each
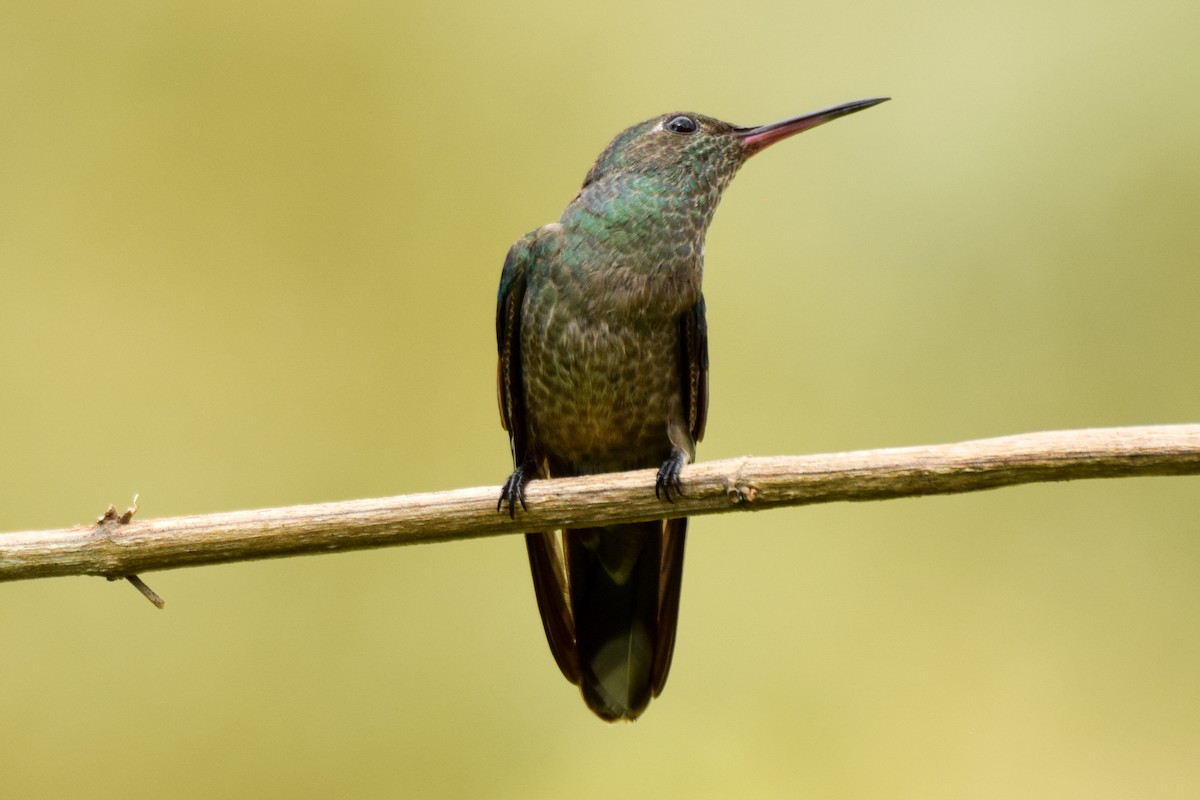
(699, 148)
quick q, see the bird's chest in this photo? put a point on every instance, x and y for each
(601, 390)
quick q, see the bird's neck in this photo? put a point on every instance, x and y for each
(642, 208)
(642, 237)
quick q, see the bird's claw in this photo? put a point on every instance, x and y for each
(513, 492)
(668, 477)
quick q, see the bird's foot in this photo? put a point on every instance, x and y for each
(513, 491)
(668, 477)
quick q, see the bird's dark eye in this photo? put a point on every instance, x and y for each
(681, 125)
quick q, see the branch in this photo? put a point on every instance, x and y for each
(117, 547)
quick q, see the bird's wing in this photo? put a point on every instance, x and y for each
(545, 557)
(670, 582)
(508, 344)
(693, 354)
(550, 590)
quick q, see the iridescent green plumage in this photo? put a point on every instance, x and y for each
(604, 367)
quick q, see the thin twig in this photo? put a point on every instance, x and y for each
(146, 591)
(119, 550)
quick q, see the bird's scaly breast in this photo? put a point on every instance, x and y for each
(601, 393)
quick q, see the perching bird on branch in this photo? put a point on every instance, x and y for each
(604, 367)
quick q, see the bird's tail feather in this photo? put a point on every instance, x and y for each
(610, 614)
(614, 577)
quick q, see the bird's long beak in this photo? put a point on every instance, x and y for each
(755, 139)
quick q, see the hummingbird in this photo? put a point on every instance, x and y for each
(603, 367)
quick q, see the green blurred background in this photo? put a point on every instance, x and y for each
(249, 257)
